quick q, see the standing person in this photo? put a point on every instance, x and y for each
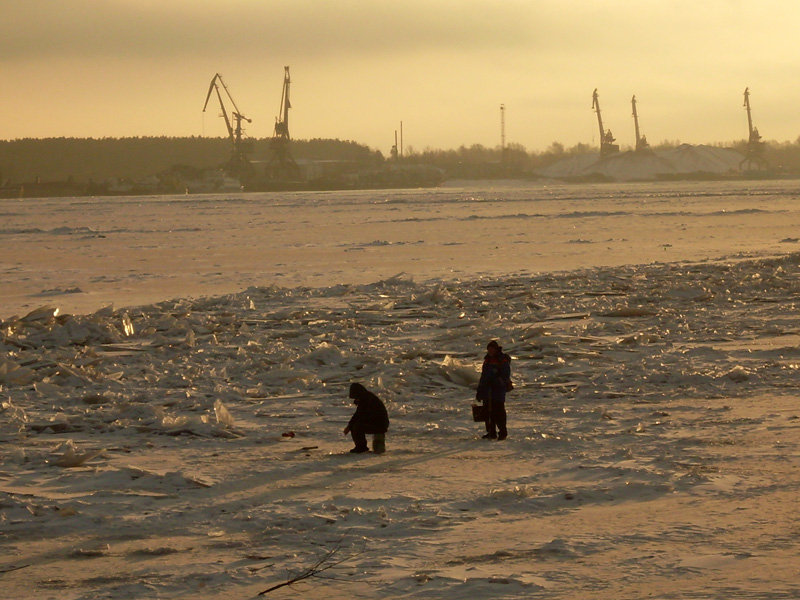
(370, 417)
(495, 381)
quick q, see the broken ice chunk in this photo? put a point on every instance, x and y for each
(127, 325)
(73, 458)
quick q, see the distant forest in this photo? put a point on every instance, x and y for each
(96, 160)
(88, 159)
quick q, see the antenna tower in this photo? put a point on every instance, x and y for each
(503, 131)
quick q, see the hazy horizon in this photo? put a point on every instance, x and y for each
(125, 69)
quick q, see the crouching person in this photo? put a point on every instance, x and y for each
(370, 418)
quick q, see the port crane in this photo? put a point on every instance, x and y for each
(641, 141)
(281, 164)
(607, 145)
(238, 165)
(755, 147)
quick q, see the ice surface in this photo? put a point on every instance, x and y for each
(634, 386)
(653, 427)
(146, 249)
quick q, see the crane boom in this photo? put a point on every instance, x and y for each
(596, 108)
(282, 122)
(607, 145)
(751, 130)
(238, 165)
(641, 141)
(755, 147)
(281, 165)
(215, 88)
(216, 82)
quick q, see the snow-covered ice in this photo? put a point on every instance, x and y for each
(192, 447)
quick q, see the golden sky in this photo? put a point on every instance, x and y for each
(112, 68)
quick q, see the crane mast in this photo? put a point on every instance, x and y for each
(238, 165)
(596, 108)
(215, 88)
(754, 135)
(641, 141)
(281, 165)
(755, 147)
(607, 145)
(282, 122)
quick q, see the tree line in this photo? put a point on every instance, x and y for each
(91, 159)
(96, 160)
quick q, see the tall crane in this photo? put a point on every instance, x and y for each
(641, 141)
(607, 145)
(238, 165)
(755, 147)
(281, 164)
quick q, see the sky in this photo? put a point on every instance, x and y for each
(116, 68)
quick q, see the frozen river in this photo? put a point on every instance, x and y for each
(83, 253)
(193, 448)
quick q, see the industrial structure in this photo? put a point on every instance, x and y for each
(238, 165)
(281, 165)
(754, 159)
(607, 145)
(397, 150)
(503, 133)
(641, 141)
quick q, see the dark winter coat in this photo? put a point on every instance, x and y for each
(370, 415)
(495, 375)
